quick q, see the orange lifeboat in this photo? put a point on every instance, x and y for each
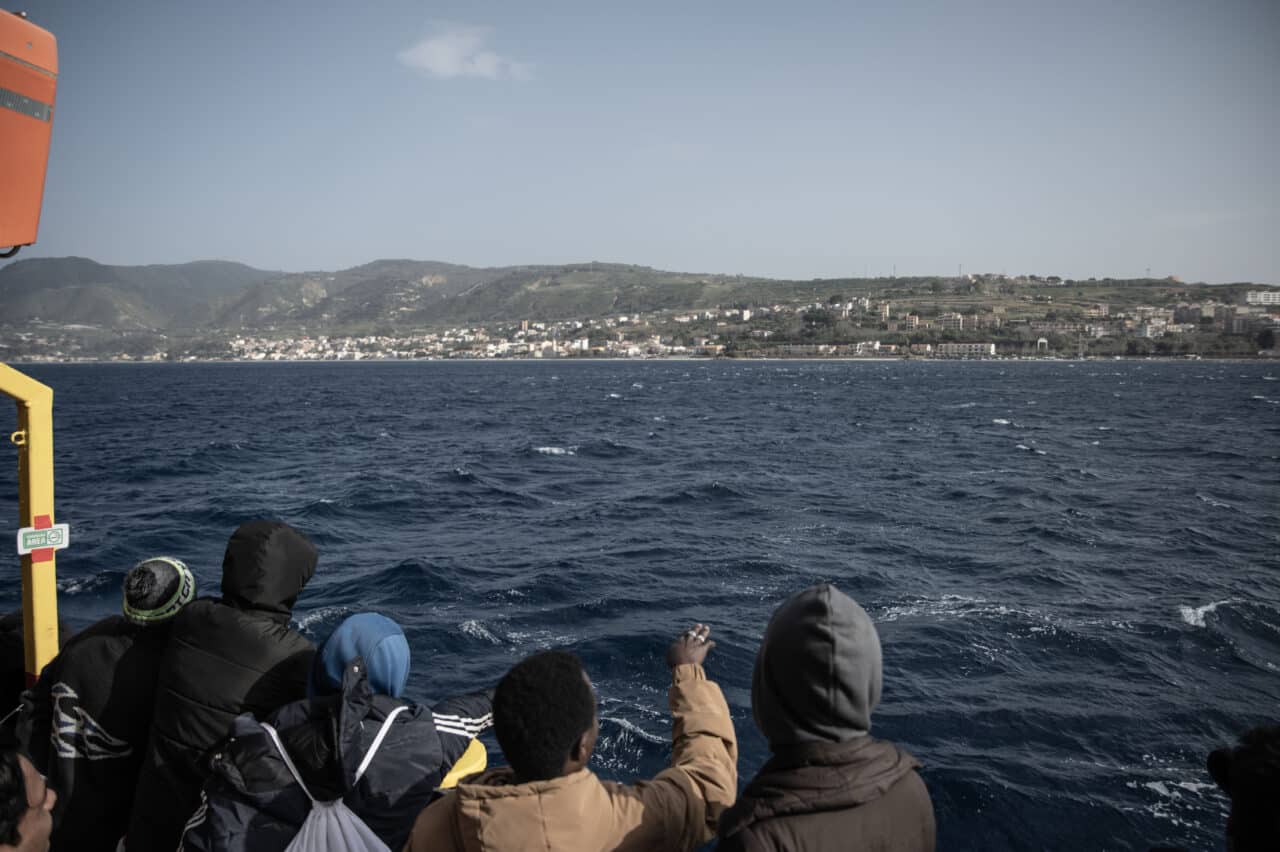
(28, 81)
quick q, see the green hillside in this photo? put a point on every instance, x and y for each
(219, 297)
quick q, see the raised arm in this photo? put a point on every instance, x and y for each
(684, 802)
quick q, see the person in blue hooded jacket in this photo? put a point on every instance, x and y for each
(253, 801)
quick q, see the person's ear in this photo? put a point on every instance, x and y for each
(586, 744)
(581, 751)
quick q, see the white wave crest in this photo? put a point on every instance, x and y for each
(312, 618)
(556, 451)
(1030, 621)
(1194, 616)
(76, 585)
(634, 729)
(540, 639)
(476, 630)
(1174, 800)
(956, 605)
(1166, 788)
(1000, 421)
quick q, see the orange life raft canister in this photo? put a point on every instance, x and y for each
(28, 80)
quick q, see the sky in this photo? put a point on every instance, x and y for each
(797, 140)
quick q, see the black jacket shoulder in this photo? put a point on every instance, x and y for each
(253, 802)
(221, 661)
(225, 657)
(85, 725)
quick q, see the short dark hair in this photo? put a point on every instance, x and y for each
(1250, 775)
(540, 709)
(13, 795)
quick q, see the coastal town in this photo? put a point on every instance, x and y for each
(1026, 326)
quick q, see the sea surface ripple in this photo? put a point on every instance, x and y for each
(1073, 565)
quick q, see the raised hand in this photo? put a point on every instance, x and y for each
(690, 647)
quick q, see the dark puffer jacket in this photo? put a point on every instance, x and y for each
(225, 657)
(253, 804)
(829, 785)
(85, 726)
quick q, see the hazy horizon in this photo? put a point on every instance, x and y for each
(817, 141)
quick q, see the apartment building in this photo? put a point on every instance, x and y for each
(965, 350)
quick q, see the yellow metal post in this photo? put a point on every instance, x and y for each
(34, 440)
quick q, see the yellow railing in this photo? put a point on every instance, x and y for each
(34, 440)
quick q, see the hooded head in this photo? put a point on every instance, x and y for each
(266, 565)
(376, 639)
(156, 589)
(817, 675)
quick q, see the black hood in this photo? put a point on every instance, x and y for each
(817, 675)
(266, 565)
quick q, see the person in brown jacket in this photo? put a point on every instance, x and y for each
(828, 785)
(544, 715)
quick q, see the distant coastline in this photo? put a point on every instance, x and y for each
(655, 359)
(73, 309)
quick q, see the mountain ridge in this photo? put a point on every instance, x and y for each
(220, 296)
(81, 290)
(226, 295)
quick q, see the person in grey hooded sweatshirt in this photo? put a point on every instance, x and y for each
(828, 784)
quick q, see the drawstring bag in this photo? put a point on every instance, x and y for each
(332, 826)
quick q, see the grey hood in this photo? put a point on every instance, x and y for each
(817, 675)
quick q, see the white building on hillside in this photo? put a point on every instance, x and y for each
(965, 350)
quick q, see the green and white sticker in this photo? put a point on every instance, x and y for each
(55, 537)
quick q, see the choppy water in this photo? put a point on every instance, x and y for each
(1073, 565)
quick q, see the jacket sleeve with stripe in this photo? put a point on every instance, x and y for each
(459, 720)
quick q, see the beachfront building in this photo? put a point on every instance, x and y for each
(965, 350)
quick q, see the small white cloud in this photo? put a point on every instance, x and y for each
(459, 52)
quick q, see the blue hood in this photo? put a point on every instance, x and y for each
(375, 638)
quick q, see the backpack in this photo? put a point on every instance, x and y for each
(332, 826)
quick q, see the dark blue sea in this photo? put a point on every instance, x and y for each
(1074, 566)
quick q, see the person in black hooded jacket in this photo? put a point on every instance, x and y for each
(86, 722)
(253, 801)
(226, 656)
(828, 785)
